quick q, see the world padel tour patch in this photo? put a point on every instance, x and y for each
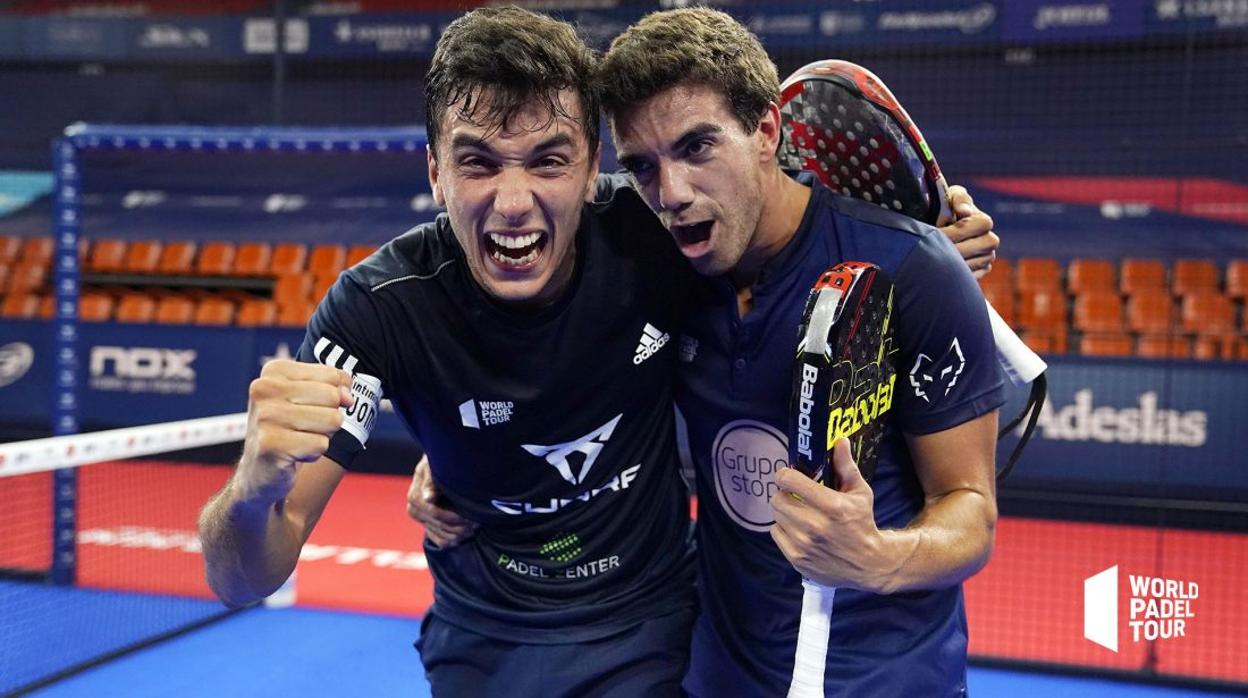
(746, 457)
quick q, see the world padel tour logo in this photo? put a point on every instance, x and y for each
(1157, 608)
(746, 457)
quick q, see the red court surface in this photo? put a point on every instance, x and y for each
(137, 532)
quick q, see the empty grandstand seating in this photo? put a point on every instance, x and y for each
(1139, 307)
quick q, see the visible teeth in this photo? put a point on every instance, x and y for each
(513, 242)
(510, 262)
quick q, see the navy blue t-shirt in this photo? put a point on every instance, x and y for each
(734, 395)
(552, 429)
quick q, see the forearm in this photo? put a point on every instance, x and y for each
(249, 548)
(950, 540)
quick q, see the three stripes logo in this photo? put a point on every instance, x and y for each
(334, 355)
(652, 340)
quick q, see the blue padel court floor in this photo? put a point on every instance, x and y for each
(305, 652)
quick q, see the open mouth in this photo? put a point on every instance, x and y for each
(515, 251)
(693, 233)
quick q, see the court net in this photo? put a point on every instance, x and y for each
(129, 571)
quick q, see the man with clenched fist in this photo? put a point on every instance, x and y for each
(253, 528)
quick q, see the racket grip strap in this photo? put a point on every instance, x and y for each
(812, 641)
(1021, 364)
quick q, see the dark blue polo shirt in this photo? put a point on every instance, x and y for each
(734, 394)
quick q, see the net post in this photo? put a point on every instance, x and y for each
(67, 218)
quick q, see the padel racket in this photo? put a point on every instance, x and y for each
(844, 125)
(843, 380)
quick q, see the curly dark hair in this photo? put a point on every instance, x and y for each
(496, 60)
(697, 46)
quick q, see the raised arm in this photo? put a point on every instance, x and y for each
(252, 530)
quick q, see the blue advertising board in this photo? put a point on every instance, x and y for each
(778, 24)
(1125, 426)
(1138, 427)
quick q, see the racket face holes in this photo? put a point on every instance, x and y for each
(840, 147)
(896, 204)
(886, 163)
(853, 160)
(873, 143)
(875, 169)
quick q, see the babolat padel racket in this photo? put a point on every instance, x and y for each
(843, 380)
(843, 124)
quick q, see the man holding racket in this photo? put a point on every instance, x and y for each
(692, 100)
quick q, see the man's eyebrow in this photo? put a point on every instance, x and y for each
(559, 140)
(463, 140)
(701, 130)
(466, 141)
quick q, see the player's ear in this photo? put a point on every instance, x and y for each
(434, 185)
(769, 132)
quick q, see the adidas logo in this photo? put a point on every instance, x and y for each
(652, 340)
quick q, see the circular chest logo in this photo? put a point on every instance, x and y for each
(747, 454)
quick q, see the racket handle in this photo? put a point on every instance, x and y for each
(1021, 364)
(812, 641)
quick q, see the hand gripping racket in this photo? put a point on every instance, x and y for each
(843, 379)
(842, 124)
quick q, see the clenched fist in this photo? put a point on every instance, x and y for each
(292, 411)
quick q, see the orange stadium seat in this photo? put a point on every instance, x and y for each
(1037, 274)
(1051, 341)
(1213, 348)
(1193, 275)
(1116, 344)
(214, 311)
(295, 314)
(327, 259)
(26, 276)
(36, 251)
(292, 288)
(1139, 274)
(357, 253)
(288, 257)
(1090, 275)
(1003, 300)
(1042, 309)
(95, 307)
(257, 312)
(252, 259)
(1208, 313)
(321, 286)
(135, 308)
(1151, 312)
(176, 257)
(9, 247)
(174, 310)
(4, 276)
(142, 256)
(1098, 312)
(107, 255)
(1159, 346)
(1237, 279)
(47, 307)
(216, 259)
(20, 305)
